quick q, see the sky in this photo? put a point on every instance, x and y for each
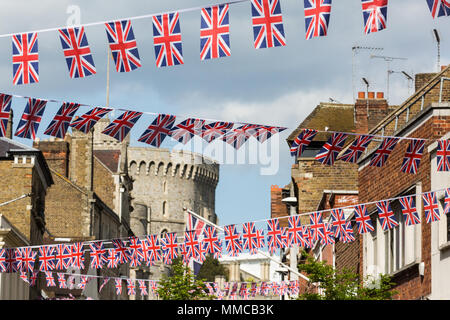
(276, 86)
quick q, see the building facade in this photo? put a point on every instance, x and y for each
(417, 256)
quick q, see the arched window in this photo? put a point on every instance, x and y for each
(163, 233)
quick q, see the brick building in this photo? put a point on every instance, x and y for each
(89, 200)
(417, 257)
(315, 186)
(26, 179)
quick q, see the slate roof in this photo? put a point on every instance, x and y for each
(335, 116)
(110, 158)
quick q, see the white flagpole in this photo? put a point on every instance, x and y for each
(259, 251)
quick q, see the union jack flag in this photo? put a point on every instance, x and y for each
(264, 288)
(122, 253)
(143, 288)
(167, 39)
(211, 242)
(439, 8)
(46, 258)
(386, 215)
(33, 278)
(294, 286)
(184, 253)
(18, 252)
(201, 254)
(63, 257)
(443, 155)
(135, 251)
(25, 58)
(77, 252)
(409, 211)
(317, 17)
(85, 122)
(249, 237)
(259, 240)
(276, 288)
(83, 281)
(262, 133)
(295, 231)
(5, 109)
(356, 149)
(192, 245)
(328, 234)
(31, 117)
(302, 141)
(338, 222)
(131, 286)
(212, 131)
(119, 128)
(274, 234)
(118, 285)
(238, 136)
(152, 249)
(380, 156)
(267, 23)
(49, 279)
(61, 280)
(123, 45)
(185, 130)
(317, 226)
(60, 123)
(307, 236)
(77, 52)
(8, 261)
(348, 236)
(363, 219)
(28, 257)
(331, 149)
(215, 32)
(169, 247)
(98, 255)
(233, 240)
(160, 128)
(447, 201)
(111, 258)
(430, 206)
(24, 276)
(375, 15)
(413, 155)
(285, 240)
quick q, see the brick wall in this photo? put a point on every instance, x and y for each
(312, 178)
(277, 207)
(104, 185)
(56, 154)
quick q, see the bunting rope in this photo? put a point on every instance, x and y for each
(96, 23)
(381, 137)
(110, 241)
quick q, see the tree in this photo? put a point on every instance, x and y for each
(344, 285)
(181, 284)
(210, 269)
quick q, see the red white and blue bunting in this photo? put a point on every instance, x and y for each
(201, 239)
(267, 23)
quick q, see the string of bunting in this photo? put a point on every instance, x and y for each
(233, 133)
(201, 239)
(245, 290)
(267, 23)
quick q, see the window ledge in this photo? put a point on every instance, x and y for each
(408, 266)
(444, 246)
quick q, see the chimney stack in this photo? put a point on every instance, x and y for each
(369, 111)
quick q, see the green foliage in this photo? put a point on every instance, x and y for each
(344, 285)
(210, 269)
(181, 284)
